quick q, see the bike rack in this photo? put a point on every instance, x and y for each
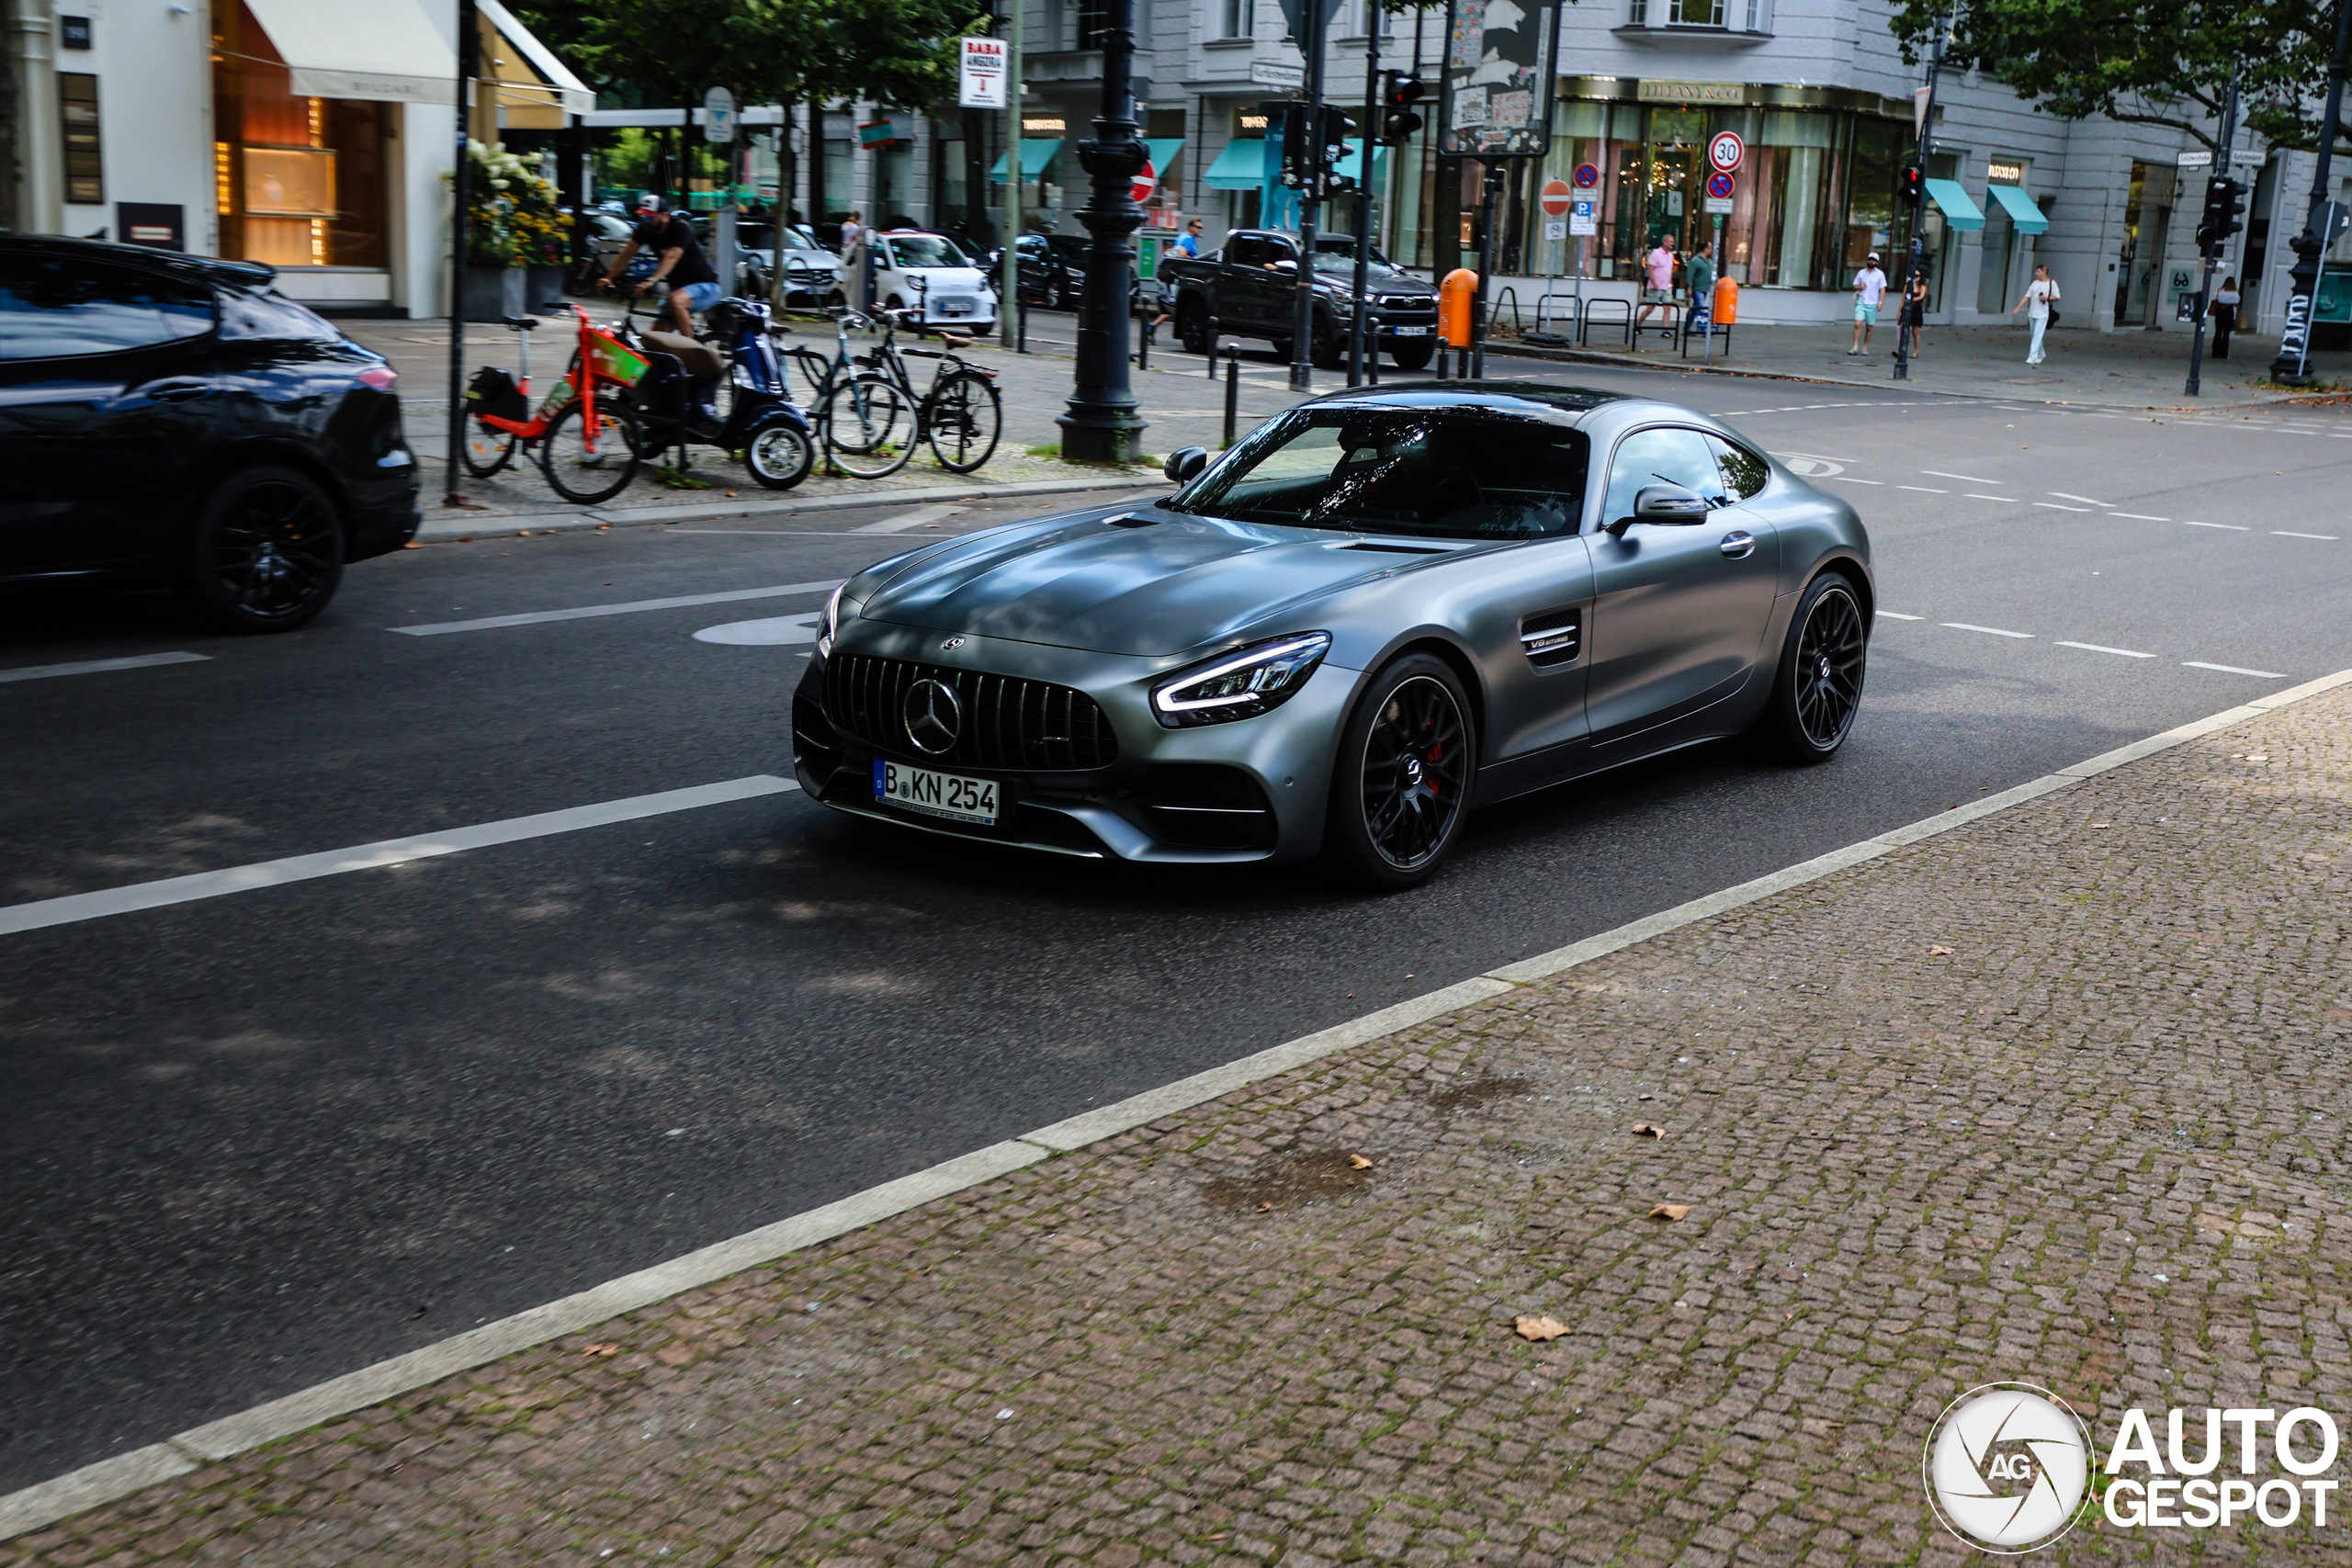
(1518, 327)
(1622, 317)
(1544, 313)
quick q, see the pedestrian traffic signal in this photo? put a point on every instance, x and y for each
(1913, 183)
(1332, 145)
(1400, 90)
(2224, 206)
(1298, 166)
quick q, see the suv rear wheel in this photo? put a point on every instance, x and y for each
(265, 554)
(1192, 328)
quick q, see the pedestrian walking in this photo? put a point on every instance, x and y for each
(2224, 312)
(1870, 287)
(853, 260)
(1659, 294)
(1699, 273)
(1914, 308)
(1188, 244)
(2036, 302)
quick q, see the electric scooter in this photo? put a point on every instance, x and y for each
(677, 399)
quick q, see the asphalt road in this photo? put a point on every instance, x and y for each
(263, 1139)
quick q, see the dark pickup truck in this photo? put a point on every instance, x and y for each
(1249, 289)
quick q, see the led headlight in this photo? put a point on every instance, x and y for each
(1241, 684)
(829, 623)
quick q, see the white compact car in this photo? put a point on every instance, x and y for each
(928, 274)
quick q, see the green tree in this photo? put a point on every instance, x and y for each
(2163, 63)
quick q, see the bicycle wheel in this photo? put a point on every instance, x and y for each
(486, 450)
(587, 471)
(869, 428)
(966, 417)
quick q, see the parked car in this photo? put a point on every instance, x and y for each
(928, 274)
(170, 419)
(1383, 608)
(811, 274)
(1052, 268)
(1249, 287)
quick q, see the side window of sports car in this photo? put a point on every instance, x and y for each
(1745, 473)
(1665, 455)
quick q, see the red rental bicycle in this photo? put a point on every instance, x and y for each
(588, 442)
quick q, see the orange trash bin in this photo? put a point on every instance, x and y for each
(1454, 299)
(1726, 302)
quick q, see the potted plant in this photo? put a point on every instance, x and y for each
(496, 250)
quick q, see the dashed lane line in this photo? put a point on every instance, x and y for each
(1894, 616)
(1925, 489)
(101, 666)
(1974, 496)
(631, 607)
(2060, 506)
(1989, 631)
(1971, 479)
(2140, 516)
(906, 520)
(2088, 501)
(2290, 534)
(2233, 527)
(46, 912)
(2102, 647)
(2232, 670)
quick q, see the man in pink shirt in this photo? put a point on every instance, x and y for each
(1659, 293)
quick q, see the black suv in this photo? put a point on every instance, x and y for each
(169, 419)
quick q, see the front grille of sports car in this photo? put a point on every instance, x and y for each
(1006, 722)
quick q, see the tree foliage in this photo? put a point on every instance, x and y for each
(2162, 63)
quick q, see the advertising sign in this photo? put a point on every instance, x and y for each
(981, 84)
(719, 115)
(1494, 92)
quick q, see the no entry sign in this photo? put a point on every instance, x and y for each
(1556, 196)
(1145, 183)
(1726, 152)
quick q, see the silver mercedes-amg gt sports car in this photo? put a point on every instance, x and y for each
(1383, 608)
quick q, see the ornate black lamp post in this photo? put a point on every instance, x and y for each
(1102, 425)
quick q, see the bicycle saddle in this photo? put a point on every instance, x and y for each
(522, 324)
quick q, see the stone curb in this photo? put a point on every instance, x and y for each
(120, 1476)
(498, 523)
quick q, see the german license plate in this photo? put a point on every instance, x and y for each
(1412, 331)
(936, 795)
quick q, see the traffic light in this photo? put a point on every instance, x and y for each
(1400, 90)
(2225, 206)
(1913, 183)
(1332, 146)
(1298, 163)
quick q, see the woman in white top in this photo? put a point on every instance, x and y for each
(2224, 312)
(2038, 296)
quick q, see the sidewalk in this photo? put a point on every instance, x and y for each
(1270, 1316)
(2135, 369)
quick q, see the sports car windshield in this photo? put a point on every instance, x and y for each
(1444, 473)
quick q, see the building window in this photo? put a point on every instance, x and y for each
(77, 107)
(299, 181)
(1087, 18)
(1694, 13)
(1240, 18)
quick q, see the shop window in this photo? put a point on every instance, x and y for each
(1087, 20)
(299, 181)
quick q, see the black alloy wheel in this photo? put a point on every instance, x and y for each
(266, 552)
(1819, 688)
(1406, 761)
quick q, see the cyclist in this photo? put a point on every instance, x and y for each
(681, 266)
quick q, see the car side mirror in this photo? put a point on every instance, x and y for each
(1283, 263)
(1185, 464)
(1667, 503)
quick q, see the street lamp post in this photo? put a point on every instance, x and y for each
(1102, 424)
(1919, 244)
(453, 491)
(2293, 364)
(2213, 248)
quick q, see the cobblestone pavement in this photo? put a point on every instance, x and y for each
(2054, 1097)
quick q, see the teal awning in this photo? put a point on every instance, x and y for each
(2020, 208)
(1163, 152)
(1241, 166)
(1958, 211)
(1037, 153)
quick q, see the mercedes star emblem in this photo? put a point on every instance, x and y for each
(934, 717)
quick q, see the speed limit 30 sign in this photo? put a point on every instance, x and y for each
(1726, 152)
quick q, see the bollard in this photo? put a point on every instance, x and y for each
(1232, 388)
(1372, 349)
(1020, 341)
(1441, 353)
(1212, 354)
(1143, 347)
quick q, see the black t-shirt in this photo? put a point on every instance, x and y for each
(668, 232)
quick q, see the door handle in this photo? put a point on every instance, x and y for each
(1739, 545)
(177, 391)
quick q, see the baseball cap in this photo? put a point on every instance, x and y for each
(1873, 256)
(649, 202)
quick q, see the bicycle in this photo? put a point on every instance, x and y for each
(868, 397)
(589, 446)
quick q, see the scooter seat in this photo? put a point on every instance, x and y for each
(701, 361)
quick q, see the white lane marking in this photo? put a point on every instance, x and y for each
(1971, 479)
(1851, 481)
(2140, 516)
(2063, 495)
(2101, 648)
(100, 666)
(2285, 534)
(1974, 496)
(1823, 456)
(1893, 616)
(1813, 468)
(915, 519)
(366, 857)
(1991, 631)
(2233, 527)
(2058, 506)
(776, 633)
(1926, 490)
(584, 612)
(2232, 670)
